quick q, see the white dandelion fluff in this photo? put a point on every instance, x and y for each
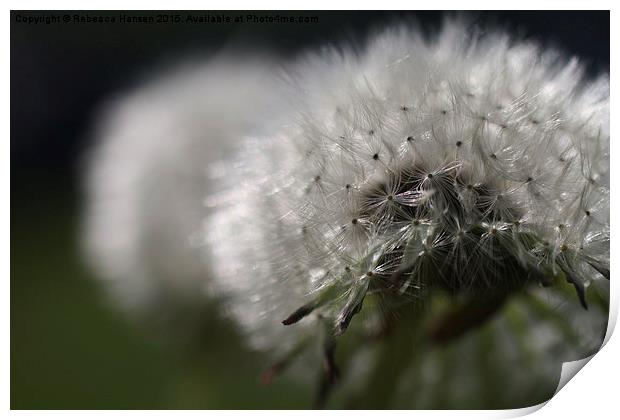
(147, 180)
(472, 165)
(350, 184)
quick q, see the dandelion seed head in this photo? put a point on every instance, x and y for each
(146, 179)
(502, 144)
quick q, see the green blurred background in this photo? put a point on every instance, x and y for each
(69, 347)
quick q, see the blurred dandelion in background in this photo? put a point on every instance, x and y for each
(428, 216)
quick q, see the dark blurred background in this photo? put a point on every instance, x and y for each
(69, 349)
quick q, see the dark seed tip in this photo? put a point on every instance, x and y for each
(298, 314)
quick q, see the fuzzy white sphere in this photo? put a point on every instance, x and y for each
(473, 165)
(147, 177)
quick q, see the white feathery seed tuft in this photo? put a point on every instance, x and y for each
(147, 179)
(472, 165)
